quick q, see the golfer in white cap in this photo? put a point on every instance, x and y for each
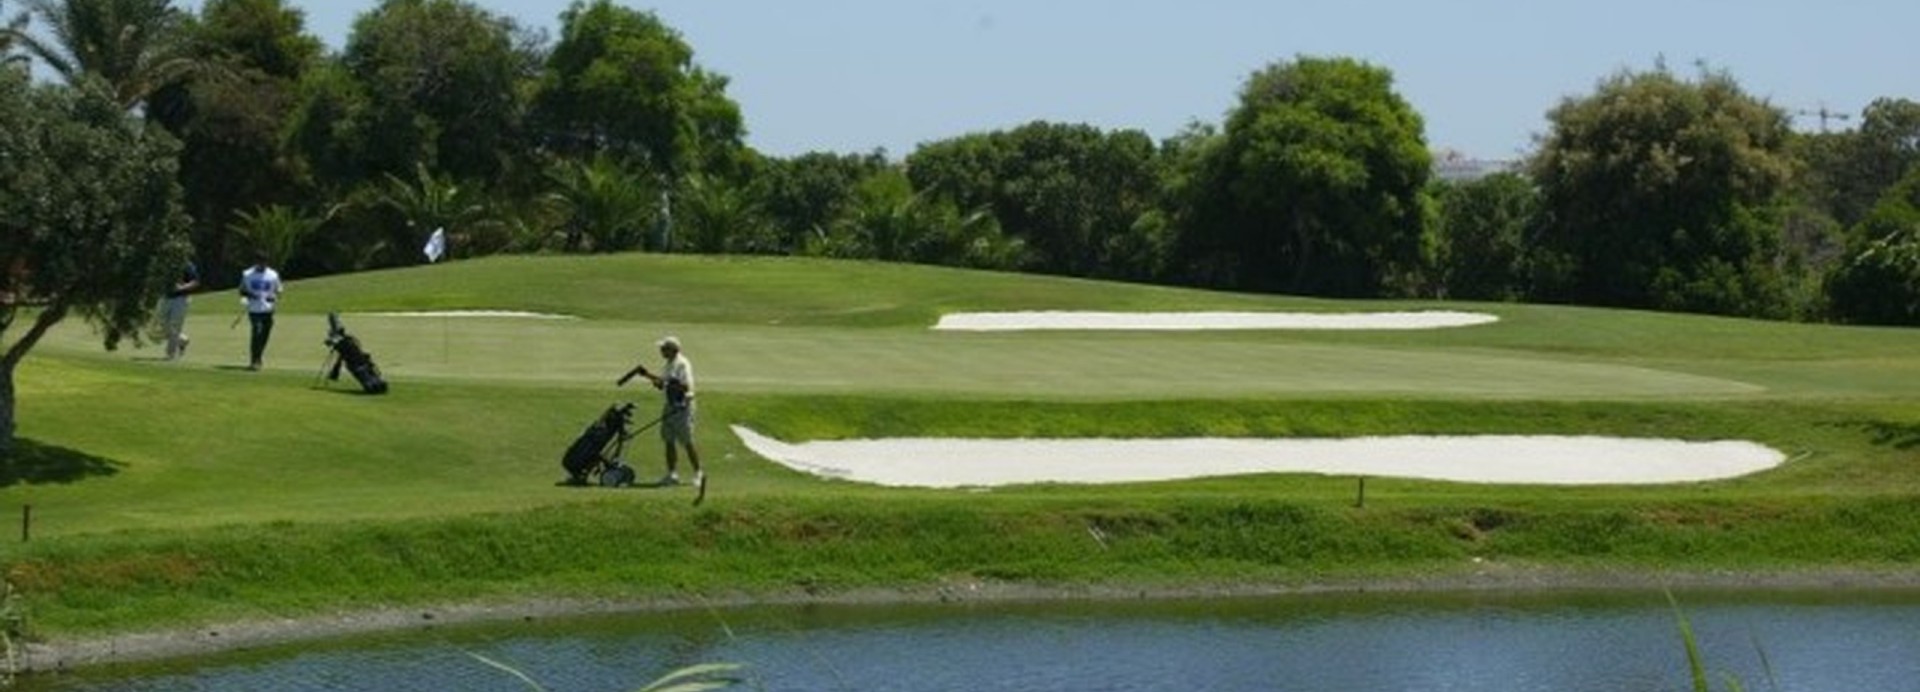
(676, 418)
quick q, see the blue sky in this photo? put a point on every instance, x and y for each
(855, 75)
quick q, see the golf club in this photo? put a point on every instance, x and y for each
(638, 370)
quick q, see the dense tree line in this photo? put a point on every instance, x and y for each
(90, 219)
(1657, 190)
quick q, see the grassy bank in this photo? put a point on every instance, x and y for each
(170, 494)
(778, 548)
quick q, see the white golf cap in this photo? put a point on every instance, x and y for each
(672, 342)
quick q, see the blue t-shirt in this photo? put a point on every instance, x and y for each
(188, 275)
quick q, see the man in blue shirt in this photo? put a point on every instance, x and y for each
(173, 311)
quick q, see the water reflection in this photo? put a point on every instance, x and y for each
(1855, 641)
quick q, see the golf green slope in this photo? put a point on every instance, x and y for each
(166, 494)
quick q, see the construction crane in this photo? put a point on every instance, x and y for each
(1824, 115)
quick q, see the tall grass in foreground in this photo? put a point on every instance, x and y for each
(12, 626)
(1696, 663)
(699, 678)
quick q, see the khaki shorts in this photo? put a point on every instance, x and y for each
(676, 425)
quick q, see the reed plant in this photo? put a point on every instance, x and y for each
(696, 678)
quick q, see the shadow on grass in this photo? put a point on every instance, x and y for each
(35, 463)
(349, 390)
(1895, 435)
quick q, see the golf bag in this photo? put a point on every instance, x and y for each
(348, 354)
(596, 453)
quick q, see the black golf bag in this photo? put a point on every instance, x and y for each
(348, 354)
(596, 453)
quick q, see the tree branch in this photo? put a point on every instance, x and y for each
(41, 324)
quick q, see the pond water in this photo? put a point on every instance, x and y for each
(1482, 641)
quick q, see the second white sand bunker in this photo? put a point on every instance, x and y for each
(1195, 321)
(512, 314)
(1529, 460)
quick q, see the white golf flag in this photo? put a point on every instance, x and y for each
(436, 245)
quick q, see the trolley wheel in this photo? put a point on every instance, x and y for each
(617, 476)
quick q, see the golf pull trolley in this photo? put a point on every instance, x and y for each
(597, 454)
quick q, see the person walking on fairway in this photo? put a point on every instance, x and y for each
(173, 310)
(676, 417)
(260, 285)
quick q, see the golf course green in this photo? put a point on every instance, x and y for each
(179, 494)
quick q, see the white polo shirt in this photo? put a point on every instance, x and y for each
(680, 370)
(263, 289)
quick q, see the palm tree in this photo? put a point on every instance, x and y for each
(718, 217)
(606, 206)
(136, 46)
(276, 230)
(13, 28)
(430, 202)
(890, 221)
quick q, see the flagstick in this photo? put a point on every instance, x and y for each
(437, 246)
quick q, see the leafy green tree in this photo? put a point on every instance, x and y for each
(90, 223)
(1316, 186)
(1824, 184)
(1484, 230)
(1821, 191)
(620, 81)
(232, 128)
(1843, 175)
(325, 132)
(1879, 281)
(801, 197)
(264, 36)
(1880, 284)
(440, 82)
(1183, 163)
(1073, 193)
(1663, 193)
(136, 46)
(1875, 157)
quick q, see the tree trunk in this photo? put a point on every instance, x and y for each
(48, 317)
(1301, 282)
(6, 409)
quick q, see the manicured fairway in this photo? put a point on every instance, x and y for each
(908, 360)
(165, 493)
(482, 406)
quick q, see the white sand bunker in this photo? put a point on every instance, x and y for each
(1543, 460)
(474, 313)
(1193, 321)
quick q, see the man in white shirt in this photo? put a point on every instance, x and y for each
(260, 285)
(676, 417)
